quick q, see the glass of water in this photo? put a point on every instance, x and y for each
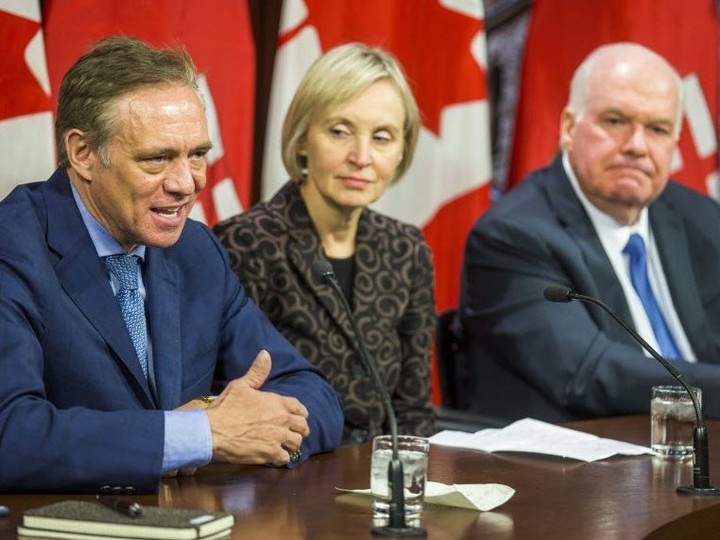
(413, 453)
(672, 417)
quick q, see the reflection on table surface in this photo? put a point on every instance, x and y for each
(617, 498)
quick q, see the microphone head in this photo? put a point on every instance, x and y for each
(322, 271)
(555, 293)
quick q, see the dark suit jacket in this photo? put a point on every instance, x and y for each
(76, 412)
(272, 248)
(531, 357)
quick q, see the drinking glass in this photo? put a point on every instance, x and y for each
(413, 453)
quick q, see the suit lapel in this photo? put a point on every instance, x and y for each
(85, 280)
(372, 258)
(303, 249)
(163, 306)
(671, 240)
(601, 283)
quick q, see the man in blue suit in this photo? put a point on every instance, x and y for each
(568, 225)
(90, 397)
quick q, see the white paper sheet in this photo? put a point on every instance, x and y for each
(535, 436)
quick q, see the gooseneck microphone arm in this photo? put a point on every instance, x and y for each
(562, 294)
(701, 468)
(323, 272)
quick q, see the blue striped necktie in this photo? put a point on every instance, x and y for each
(635, 248)
(132, 307)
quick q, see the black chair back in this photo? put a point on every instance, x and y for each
(448, 343)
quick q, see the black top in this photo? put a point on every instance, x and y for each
(344, 273)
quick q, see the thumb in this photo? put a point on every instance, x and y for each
(258, 372)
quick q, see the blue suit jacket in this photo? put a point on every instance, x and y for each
(76, 412)
(531, 357)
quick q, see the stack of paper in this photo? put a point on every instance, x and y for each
(534, 436)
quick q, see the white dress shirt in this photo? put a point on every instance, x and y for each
(614, 237)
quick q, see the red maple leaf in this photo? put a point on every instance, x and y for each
(430, 41)
(21, 93)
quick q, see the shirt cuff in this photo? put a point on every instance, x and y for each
(188, 441)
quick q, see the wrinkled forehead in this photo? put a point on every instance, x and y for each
(177, 103)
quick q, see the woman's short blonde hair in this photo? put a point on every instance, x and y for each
(335, 78)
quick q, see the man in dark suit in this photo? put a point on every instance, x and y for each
(98, 391)
(568, 225)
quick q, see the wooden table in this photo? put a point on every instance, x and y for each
(618, 498)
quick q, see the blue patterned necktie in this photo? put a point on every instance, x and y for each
(132, 307)
(635, 248)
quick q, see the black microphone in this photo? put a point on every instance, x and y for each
(701, 467)
(396, 526)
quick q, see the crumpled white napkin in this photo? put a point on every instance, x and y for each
(483, 497)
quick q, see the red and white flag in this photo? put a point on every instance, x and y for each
(441, 45)
(26, 121)
(217, 35)
(563, 32)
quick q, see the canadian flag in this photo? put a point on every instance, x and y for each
(26, 121)
(218, 37)
(441, 45)
(563, 32)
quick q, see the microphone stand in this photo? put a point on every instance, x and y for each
(701, 466)
(396, 526)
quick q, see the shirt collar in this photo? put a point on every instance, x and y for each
(605, 225)
(104, 243)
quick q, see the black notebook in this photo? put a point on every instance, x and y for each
(91, 520)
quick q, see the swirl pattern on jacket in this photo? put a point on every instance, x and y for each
(272, 247)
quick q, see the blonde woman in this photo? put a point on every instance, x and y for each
(349, 133)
